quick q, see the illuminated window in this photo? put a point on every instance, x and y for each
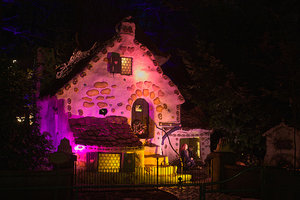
(117, 64)
(109, 162)
(22, 119)
(126, 66)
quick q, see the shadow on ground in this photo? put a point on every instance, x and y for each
(125, 195)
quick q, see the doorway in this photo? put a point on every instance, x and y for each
(140, 118)
(194, 143)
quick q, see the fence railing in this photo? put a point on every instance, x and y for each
(274, 184)
(140, 176)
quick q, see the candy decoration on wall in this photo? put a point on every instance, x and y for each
(139, 84)
(123, 49)
(152, 95)
(139, 93)
(104, 51)
(87, 98)
(146, 92)
(100, 84)
(128, 107)
(92, 92)
(133, 97)
(111, 44)
(88, 104)
(100, 98)
(155, 87)
(82, 74)
(147, 84)
(156, 101)
(159, 70)
(68, 86)
(149, 53)
(75, 81)
(110, 97)
(130, 49)
(119, 39)
(161, 93)
(76, 89)
(143, 47)
(171, 84)
(180, 98)
(102, 104)
(89, 66)
(80, 112)
(159, 108)
(60, 92)
(105, 91)
(160, 116)
(165, 106)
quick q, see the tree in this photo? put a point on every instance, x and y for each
(225, 101)
(22, 146)
(253, 85)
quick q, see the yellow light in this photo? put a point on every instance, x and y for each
(20, 119)
(109, 162)
(140, 75)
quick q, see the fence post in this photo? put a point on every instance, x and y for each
(157, 170)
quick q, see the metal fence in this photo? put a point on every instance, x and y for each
(140, 176)
(273, 183)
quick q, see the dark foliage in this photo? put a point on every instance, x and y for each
(22, 146)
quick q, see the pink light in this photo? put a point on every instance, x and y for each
(140, 75)
(79, 147)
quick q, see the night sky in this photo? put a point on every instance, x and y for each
(257, 41)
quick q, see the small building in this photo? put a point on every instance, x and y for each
(114, 104)
(280, 146)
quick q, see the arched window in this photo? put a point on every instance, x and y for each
(140, 118)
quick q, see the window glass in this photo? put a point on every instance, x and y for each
(126, 66)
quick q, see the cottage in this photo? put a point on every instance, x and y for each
(280, 146)
(117, 107)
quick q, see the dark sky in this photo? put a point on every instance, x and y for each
(257, 40)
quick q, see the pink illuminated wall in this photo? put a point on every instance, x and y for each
(96, 88)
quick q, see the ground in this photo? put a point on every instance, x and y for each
(163, 193)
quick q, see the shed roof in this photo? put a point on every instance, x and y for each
(282, 125)
(112, 131)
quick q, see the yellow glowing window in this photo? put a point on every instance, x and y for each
(109, 162)
(126, 66)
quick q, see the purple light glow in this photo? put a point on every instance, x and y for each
(79, 147)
